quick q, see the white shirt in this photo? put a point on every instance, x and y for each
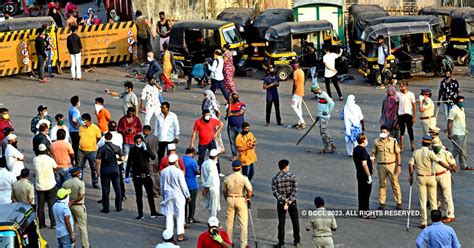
(44, 166)
(166, 245)
(151, 96)
(7, 179)
(13, 158)
(117, 139)
(381, 55)
(174, 191)
(217, 69)
(329, 60)
(54, 131)
(167, 129)
(405, 103)
(210, 175)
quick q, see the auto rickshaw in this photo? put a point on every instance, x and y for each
(443, 13)
(18, 227)
(261, 24)
(462, 25)
(288, 41)
(414, 48)
(193, 41)
(359, 16)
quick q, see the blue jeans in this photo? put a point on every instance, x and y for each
(64, 242)
(202, 153)
(61, 176)
(49, 62)
(221, 85)
(447, 109)
(249, 171)
(84, 156)
(471, 70)
(232, 132)
(126, 148)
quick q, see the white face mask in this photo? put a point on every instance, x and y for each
(149, 59)
(207, 117)
(98, 108)
(383, 135)
(45, 113)
(139, 145)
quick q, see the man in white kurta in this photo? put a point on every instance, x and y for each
(14, 157)
(175, 193)
(211, 183)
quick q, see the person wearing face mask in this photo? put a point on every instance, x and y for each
(364, 172)
(154, 69)
(114, 17)
(214, 237)
(163, 28)
(65, 235)
(449, 89)
(207, 129)
(75, 121)
(102, 114)
(424, 159)
(235, 119)
(129, 126)
(4, 121)
(443, 181)
(270, 84)
(128, 96)
(42, 115)
(457, 132)
(150, 101)
(246, 144)
(45, 184)
(138, 163)
(470, 48)
(406, 114)
(297, 94)
(59, 125)
(217, 76)
(325, 107)
(389, 115)
(386, 152)
(427, 111)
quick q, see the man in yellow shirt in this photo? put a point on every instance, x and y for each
(89, 135)
(246, 143)
(298, 93)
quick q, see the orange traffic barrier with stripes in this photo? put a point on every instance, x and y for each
(15, 53)
(50, 38)
(101, 44)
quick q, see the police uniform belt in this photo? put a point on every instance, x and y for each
(235, 196)
(441, 173)
(426, 117)
(385, 163)
(427, 175)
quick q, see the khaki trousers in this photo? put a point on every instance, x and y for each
(445, 197)
(427, 123)
(323, 242)
(385, 171)
(427, 188)
(79, 213)
(237, 206)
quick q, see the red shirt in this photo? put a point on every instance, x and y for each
(205, 130)
(205, 240)
(165, 162)
(123, 126)
(3, 124)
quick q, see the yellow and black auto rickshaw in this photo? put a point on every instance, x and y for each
(193, 41)
(414, 48)
(288, 40)
(261, 23)
(359, 16)
(18, 227)
(462, 26)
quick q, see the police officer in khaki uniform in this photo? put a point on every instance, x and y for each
(427, 111)
(323, 224)
(424, 159)
(23, 190)
(77, 206)
(434, 133)
(387, 154)
(443, 180)
(237, 191)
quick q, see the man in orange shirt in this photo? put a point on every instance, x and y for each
(103, 115)
(298, 93)
(63, 154)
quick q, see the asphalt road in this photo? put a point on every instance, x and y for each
(329, 176)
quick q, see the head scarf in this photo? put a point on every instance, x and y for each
(210, 103)
(389, 108)
(352, 114)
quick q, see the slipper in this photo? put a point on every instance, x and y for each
(324, 151)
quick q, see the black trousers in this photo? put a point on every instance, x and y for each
(334, 81)
(406, 121)
(139, 183)
(275, 102)
(364, 190)
(191, 206)
(75, 144)
(105, 180)
(293, 212)
(49, 197)
(162, 147)
(122, 183)
(41, 60)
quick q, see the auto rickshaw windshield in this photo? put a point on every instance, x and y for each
(8, 239)
(437, 30)
(280, 46)
(231, 35)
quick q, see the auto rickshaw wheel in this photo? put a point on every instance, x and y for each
(283, 73)
(461, 60)
(376, 77)
(179, 71)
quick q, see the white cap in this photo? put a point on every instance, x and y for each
(42, 147)
(172, 158)
(167, 234)
(11, 136)
(213, 153)
(213, 221)
(171, 146)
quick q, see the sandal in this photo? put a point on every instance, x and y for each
(324, 151)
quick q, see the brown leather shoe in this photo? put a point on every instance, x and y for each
(399, 206)
(449, 220)
(382, 206)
